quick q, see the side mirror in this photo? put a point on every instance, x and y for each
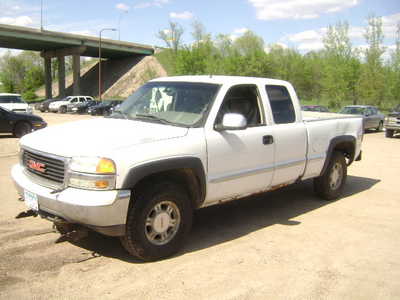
(232, 121)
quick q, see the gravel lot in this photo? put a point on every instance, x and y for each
(286, 244)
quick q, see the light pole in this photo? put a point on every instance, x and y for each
(41, 15)
(101, 31)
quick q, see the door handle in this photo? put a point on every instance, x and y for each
(267, 139)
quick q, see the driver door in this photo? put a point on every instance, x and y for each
(240, 162)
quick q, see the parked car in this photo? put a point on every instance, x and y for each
(392, 122)
(104, 108)
(19, 124)
(82, 108)
(179, 144)
(44, 106)
(319, 108)
(14, 102)
(62, 105)
(373, 118)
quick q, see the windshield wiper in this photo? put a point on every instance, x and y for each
(153, 117)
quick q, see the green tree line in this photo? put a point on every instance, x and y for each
(337, 75)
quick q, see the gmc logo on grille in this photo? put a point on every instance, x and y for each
(38, 166)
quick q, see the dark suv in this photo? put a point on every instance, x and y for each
(104, 108)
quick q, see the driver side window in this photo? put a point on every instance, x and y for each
(244, 100)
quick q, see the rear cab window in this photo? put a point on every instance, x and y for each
(281, 104)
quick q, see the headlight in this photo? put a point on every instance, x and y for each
(92, 173)
(94, 165)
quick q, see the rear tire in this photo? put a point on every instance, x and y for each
(159, 219)
(329, 185)
(62, 110)
(21, 129)
(389, 133)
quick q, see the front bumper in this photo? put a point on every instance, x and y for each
(102, 211)
(392, 127)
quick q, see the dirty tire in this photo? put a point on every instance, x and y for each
(21, 129)
(380, 126)
(62, 110)
(389, 133)
(158, 221)
(329, 185)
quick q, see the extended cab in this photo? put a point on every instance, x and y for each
(176, 145)
(62, 105)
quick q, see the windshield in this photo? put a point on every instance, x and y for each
(10, 99)
(353, 110)
(176, 103)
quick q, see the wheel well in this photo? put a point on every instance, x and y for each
(185, 177)
(21, 122)
(348, 150)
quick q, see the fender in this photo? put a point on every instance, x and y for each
(193, 163)
(345, 139)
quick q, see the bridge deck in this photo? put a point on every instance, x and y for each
(17, 37)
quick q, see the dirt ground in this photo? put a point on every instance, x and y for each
(287, 244)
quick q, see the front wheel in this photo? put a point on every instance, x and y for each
(21, 129)
(62, 109)
(158, 221)
(330, 184)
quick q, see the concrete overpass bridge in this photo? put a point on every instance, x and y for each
(57, 45)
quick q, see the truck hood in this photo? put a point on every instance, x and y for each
(98, 137)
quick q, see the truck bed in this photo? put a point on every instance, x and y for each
(310, 116)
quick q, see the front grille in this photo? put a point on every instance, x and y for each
(46, 167)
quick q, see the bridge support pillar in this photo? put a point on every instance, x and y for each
(60, 54)
(47, 77)
(76, 68)
(61, 76)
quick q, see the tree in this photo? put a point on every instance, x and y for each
(21, 73)
(172, 36)
(371, 86)
(340, 67)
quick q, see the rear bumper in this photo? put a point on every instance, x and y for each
(102, 211)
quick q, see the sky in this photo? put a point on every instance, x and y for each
(298, 24)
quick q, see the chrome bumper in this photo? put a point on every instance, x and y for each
(103, 211)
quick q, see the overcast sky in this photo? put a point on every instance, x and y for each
(294, 23)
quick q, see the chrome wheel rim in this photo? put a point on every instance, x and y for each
(162, 223)
(335, 179)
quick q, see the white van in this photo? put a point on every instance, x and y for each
(14, 103)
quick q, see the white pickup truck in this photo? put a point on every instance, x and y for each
(176, 145)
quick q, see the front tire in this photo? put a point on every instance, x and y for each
(21, 129)
(62, 110)
(329, 185)
(159, 219)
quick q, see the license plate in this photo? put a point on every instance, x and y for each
(31, 200)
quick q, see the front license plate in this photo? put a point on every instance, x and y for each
(31, 200)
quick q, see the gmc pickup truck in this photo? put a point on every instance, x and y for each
(178, 144)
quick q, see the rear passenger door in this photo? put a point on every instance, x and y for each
(290, 136)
